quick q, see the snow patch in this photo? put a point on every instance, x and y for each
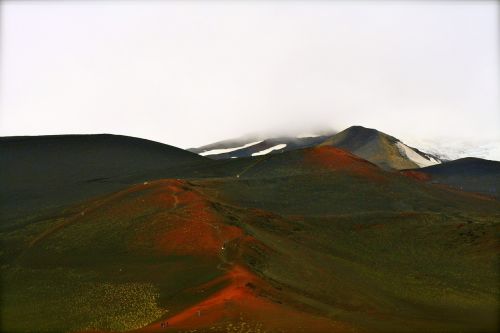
(419, 160)
(268, 150)
(227, 150)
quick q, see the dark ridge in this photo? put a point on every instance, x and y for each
(39, 170)
(464, 166)
(469, 174)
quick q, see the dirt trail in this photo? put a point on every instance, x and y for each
(236, 277)
(244, 297)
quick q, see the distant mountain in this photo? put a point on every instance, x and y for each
(468, 174)
(377, 147)
(40, 170)
(256, 146)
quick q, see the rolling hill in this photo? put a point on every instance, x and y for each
(309, 240)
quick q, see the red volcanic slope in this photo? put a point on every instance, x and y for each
(241, 301)
(192, 227)
(198, 230)
(188, 225)
(331, 158)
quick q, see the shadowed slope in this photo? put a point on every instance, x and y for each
(467, 174)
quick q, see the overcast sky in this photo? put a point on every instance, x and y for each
(190, 73)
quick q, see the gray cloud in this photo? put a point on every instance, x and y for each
(189, 73)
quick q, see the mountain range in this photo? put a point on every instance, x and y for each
(344, 232)
(370, 144)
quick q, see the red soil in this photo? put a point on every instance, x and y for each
(185, 222)
(331, 158)
(213, 307)
(241, 300)
(189, 226)
(198, 229)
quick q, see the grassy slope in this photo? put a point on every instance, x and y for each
(330, 243)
